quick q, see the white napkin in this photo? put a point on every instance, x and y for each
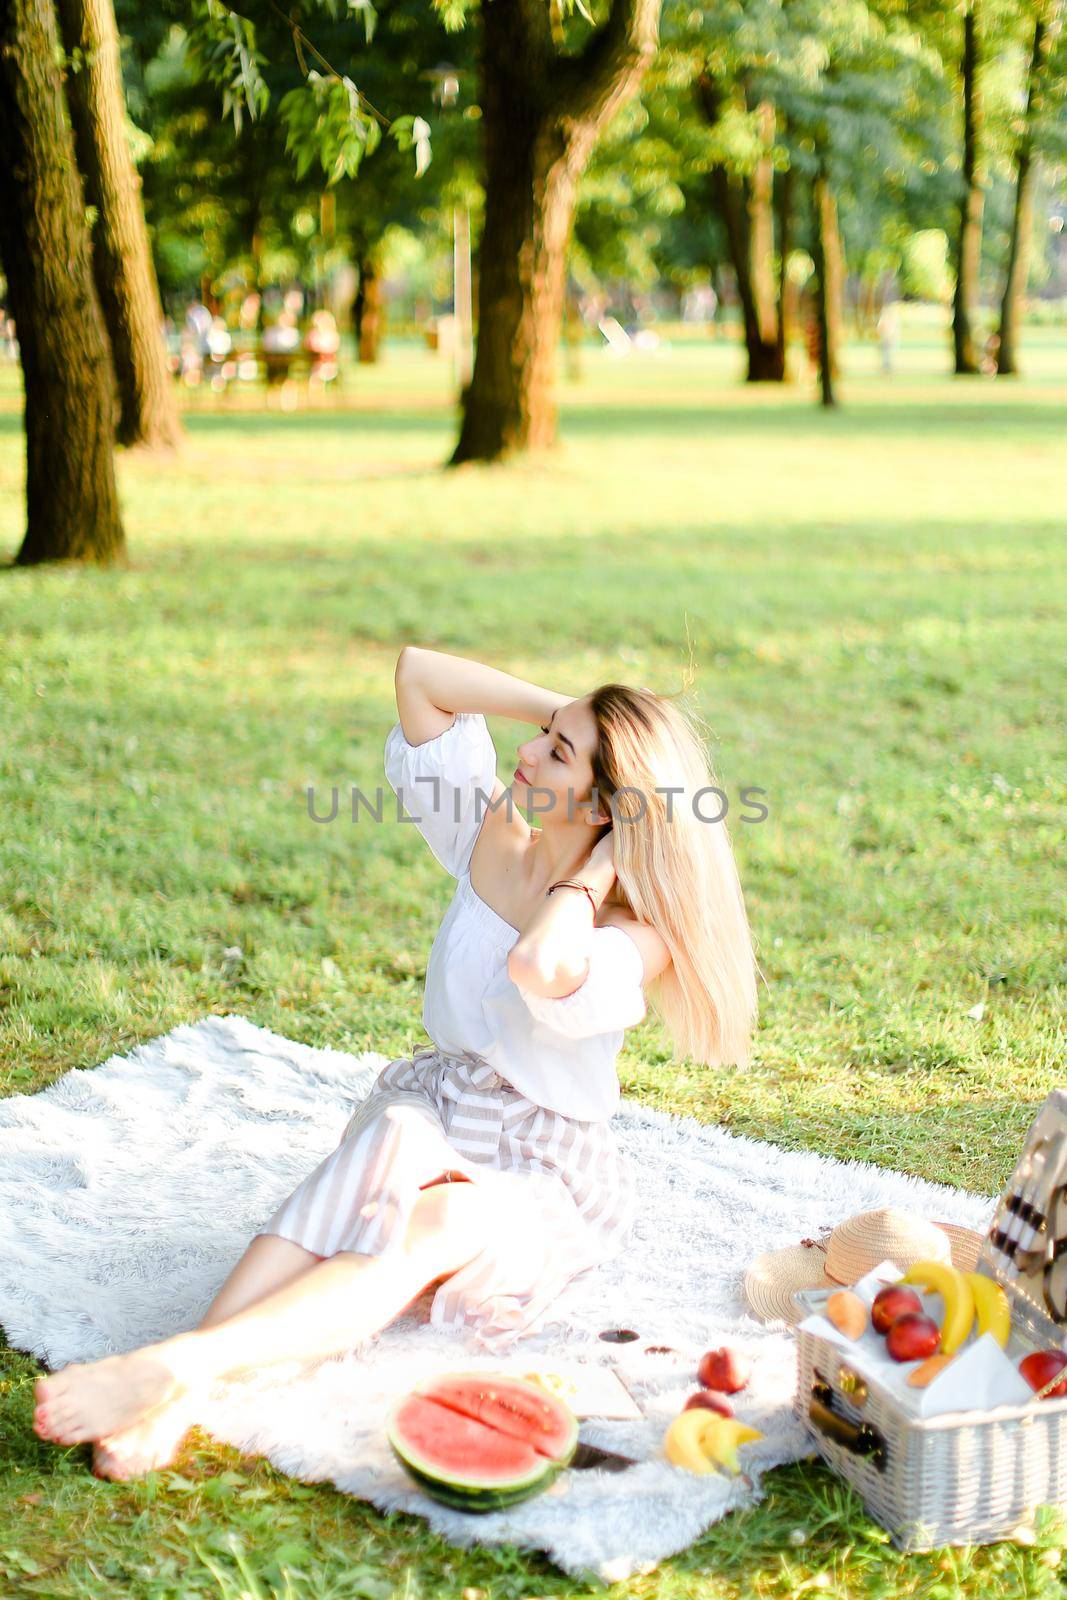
(981, 1375)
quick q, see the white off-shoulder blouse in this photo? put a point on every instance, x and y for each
(559, 1053)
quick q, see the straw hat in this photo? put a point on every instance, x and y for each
(843, 1254)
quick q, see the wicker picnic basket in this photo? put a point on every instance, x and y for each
(963, 1477)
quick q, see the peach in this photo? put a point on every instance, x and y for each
(892, 1302)
(912, 1337)
(723, 1369)
(1040, 1367)
(710, 1400)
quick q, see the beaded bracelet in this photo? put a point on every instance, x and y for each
(569, 883)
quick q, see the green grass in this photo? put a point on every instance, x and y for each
(868, 610)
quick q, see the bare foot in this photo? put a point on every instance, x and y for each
(149, 1445)
(89, 1401)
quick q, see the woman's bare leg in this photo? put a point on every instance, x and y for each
(326, 1309)
(269, 1263)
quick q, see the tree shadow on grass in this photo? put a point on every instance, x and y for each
(1023, 421)
(644, 416)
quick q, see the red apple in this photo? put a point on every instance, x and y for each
(912, 1337)
(709, 1400)
(891, 1303)
(1040, 1367)
(723, 1369)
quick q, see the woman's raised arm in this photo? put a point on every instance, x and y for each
(431, 686)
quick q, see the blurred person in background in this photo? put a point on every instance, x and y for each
(889, 335)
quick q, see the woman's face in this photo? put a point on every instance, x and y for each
(558, 763)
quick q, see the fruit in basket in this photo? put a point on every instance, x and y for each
(723, 1369)
(703, 1441)
(481, 1440)
(991, 1307)
(928, 1370)
(710, 1400)
(955, 1290)
(847, 1312)
(1041, 1366)
(912, 1337)
(890, 1303)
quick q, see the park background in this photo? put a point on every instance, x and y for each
(839, 531)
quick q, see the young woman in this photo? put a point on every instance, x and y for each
(484, 1164)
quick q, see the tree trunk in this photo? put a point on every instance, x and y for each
(761, 238)
(529, 206)
(969, 242)
(122, 259)
(1022, 216)
(72, 506)
(542, 113)
(834, 261)
(824, 226)
(783, 211)
(368, 310)
(745, 208)
(732, 203)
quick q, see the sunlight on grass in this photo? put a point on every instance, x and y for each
(870, 607)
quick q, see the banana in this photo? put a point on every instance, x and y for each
(991, 1306)
(682, 1442)
(703, 1441)
(722, 1435)
(955, 1290)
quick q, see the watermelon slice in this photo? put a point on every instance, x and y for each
(481, 1440)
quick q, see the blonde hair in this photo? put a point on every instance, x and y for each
(676, 870)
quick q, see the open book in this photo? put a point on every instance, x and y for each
(590, 1389)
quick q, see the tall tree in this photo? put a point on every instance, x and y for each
(1018, 270)
(544, 104)
(72, 505)
(745, 203)
(543, 112)
(774, 81)
(972, 200)
(826, 256)
(122, 259)
(299, 124)
(368, 308)
(784, 187)
(734, 61)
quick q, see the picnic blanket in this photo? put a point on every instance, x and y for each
(129, 1190)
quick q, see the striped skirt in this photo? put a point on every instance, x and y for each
(559, 1191)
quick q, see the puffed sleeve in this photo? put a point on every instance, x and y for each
(445, 785)
(611, 996)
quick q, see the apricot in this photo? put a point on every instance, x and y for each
(928, 1371)
(847, 1312)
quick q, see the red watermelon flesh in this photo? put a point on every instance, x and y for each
(461, 1450)
(509, 1405)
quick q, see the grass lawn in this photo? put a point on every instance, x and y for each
(864, 606)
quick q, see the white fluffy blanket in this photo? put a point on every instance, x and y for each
(128, 1192)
